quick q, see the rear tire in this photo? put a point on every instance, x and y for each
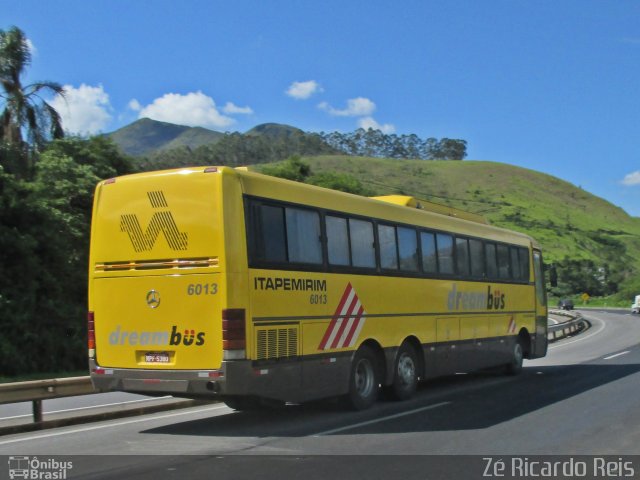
(517, 357)
(363, 380)
(405, 374)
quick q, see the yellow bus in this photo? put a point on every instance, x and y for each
(222, 283)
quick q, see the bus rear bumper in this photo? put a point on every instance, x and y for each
(282, 381)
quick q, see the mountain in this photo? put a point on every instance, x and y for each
(146, 136)
(274, 130)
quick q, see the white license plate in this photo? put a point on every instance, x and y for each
(156, 357)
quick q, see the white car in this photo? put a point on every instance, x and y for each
(635, 308)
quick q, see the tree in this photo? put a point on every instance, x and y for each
(44, 249)
(24, 110)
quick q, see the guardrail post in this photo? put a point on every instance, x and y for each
(37, 411)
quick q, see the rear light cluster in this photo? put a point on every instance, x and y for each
(91, 334)
(233, 329)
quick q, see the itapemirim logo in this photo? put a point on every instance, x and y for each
(161, 222)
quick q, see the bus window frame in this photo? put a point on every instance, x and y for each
(251, 202)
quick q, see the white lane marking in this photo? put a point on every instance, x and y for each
(579, 339)
(91, 406)
(110, 425)
(382, 419)
(616, 355)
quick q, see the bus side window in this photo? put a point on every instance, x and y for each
(462, 256)
(445, 253)
(408, 249)
(476, 252)
(429, 254)
(303, 236)
(524, 264)
(362, 247)
(388, 247)
(272, 244)
(337, 240)
(492, 260)
(503, 262)
(515, 264)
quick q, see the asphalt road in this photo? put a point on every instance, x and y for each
(582, 399)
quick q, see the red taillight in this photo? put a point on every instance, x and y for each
(109, 181)
(211, 170)
(233, 329)
(91, 332)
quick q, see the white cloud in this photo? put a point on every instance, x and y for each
(369, 122)
(632, 178)
(84, 110)
(303, 90)
(195, 109)
(134, 105)
(231, 109)
(356, 107)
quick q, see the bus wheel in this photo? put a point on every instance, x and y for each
(242, 403)
(363, 381)
(405, 374)
(517, 356)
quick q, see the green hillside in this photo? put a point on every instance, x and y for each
(570, 223)
(193, 138)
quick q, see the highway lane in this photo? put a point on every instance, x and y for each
(584, 398)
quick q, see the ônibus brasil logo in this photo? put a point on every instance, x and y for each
(161, 222)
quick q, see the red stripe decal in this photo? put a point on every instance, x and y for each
(355, 325)
(336, 315)
(345, 321)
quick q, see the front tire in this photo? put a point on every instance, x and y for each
(517, 358)
(363, 380)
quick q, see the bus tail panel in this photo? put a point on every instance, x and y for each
(170, 322)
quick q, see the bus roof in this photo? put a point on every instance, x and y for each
(396, 208)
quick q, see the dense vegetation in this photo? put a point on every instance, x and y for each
(44, 231)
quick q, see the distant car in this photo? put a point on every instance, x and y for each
(635, 308)
(565, 304)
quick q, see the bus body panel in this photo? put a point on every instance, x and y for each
(183, 234)
(182, 332)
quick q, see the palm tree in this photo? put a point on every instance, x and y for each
(24, 109)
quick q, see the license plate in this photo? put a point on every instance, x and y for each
(156, 357)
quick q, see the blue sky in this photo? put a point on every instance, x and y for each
(549, 85)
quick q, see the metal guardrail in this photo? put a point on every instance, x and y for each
(38, 390)
(574, 325)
